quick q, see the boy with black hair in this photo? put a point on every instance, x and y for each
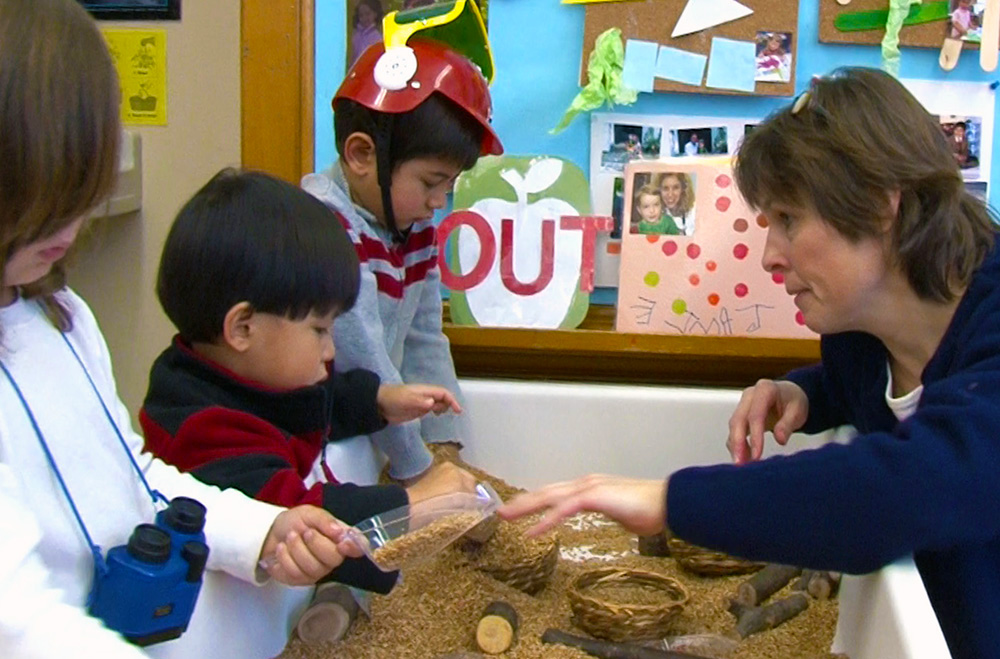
(408, 121)
(253, 276)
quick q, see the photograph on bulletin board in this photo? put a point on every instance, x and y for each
(628, 141)
(774, 57)
(699, 141)
(658, 137)
(705, 279)
(964, 135)
(663, 203)
(965, 112)
(365, 19)
(134, 9)
(966, 22)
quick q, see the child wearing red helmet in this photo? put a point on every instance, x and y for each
(407, 121)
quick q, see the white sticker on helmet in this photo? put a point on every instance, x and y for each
(395, 68)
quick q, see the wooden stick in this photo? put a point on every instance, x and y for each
(767, 581)
(609, 649)
(761, 618)
(823, 585)
(803, 581)
(951, 50)
(497, 627)
(329, 615)
(738, 608)
(654, 545)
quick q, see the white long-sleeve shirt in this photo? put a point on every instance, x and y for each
(46, 567)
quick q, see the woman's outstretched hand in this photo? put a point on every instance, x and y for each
(777, 406)
(638, 505)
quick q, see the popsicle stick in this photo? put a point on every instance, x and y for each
(991, 36)
(951, 49)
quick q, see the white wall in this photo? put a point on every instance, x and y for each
(116, 271)
(532, 433)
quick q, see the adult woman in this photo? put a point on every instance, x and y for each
(59, 410)
(893, 263)
(677, 193)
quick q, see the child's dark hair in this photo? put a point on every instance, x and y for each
(437, 128)
(247, 236)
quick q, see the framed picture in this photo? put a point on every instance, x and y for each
(618, 140)
(134, 9)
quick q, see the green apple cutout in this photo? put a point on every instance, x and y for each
(534, 279)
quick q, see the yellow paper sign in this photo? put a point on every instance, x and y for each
(141, 59)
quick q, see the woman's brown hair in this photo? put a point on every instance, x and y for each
(686, 202)
(843, 146)
(59, 128)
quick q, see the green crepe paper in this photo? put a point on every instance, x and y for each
(898, 10)
(604, 79)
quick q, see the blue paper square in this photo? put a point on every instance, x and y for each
(731, 65)
(680, 65)
(640, 63)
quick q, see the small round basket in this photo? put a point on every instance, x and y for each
(707, 562)
(530, 575)
(658, 600)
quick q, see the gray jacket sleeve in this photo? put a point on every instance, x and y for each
(427, 359)
(359, 338)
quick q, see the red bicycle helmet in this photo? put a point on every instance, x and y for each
(401, 78)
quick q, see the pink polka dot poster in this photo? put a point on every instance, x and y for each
(705, 279)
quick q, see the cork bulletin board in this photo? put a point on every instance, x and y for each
(924, 35)
(654, 20)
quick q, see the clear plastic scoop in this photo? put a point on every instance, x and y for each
(405, 536)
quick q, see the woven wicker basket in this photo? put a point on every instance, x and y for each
(531, 575)
(707, 562)
(621, 621)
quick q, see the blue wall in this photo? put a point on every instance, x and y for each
(537, 46)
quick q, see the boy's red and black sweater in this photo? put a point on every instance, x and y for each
(230, 432)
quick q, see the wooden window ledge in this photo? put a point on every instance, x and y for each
(596, 353)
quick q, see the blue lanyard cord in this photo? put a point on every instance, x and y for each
(94, 549)
(155, 495)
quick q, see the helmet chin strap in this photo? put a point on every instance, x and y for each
(383, 137)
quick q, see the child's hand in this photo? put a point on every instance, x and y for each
(399, 403)
(304, 544)
(442, 478)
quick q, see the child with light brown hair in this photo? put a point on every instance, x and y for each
(74, 482)
(648, 215)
